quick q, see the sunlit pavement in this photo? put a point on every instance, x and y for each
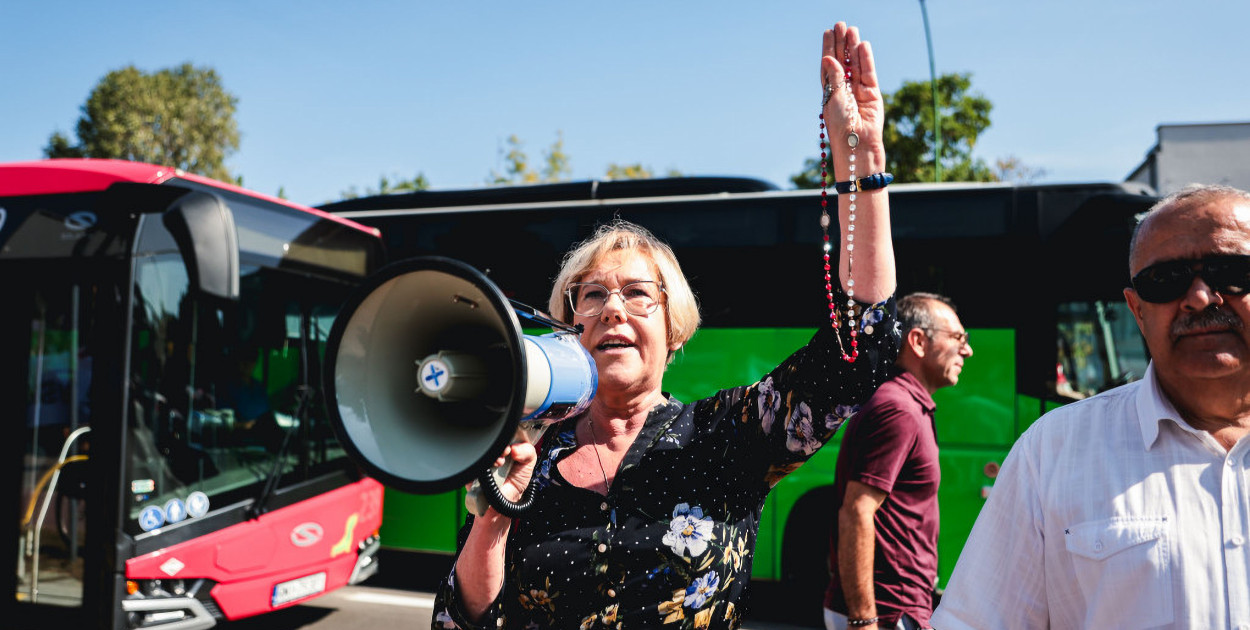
(357, 607)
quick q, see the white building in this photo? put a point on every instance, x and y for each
(1206, 153)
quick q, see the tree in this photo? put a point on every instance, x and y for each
(909, 130)
(909, 133)
(181, 117)
(518, 170)
(387, 187)
(628, 171)
(1011, 169)
(636, 170)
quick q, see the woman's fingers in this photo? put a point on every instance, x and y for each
(867, 65)
(851, 53)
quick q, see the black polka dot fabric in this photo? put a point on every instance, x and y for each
(671, 543)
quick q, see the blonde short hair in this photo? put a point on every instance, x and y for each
(681, 310)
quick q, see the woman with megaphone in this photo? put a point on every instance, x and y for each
(645, 508)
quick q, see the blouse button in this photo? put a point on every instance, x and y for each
(602, 547)
(611, 592)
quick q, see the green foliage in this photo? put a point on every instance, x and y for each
(59, 147)
(909, 130)
(909, 136)
(181, 117)
(1011, 169)
(517, 168)
(809, 177)
(387, 186)
(628, 171)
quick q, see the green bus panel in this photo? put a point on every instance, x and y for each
(980, 409)
(718, 358)
(422, 522)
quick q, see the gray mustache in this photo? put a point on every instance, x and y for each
(1207, 318)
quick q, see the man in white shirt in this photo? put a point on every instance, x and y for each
(1131, 509)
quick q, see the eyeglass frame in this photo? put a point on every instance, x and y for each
(1196, 268)
(568, 292)
(962, 338)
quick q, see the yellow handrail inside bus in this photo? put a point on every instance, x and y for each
(43, 481)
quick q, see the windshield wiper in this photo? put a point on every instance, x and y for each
(304, 395)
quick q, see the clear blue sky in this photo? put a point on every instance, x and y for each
(335, 94)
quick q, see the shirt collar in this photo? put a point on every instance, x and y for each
(912, 386)
(1153, 408)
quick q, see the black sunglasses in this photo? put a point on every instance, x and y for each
(1166, 281)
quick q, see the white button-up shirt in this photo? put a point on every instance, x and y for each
(1110, 512)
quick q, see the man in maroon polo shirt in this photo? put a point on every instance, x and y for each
(883, 551)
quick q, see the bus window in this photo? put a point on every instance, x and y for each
(56, 445)
(1099, 347)
(246, 414)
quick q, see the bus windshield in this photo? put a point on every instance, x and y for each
(220, 393)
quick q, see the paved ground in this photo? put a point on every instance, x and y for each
(400, 597)
(367, 607)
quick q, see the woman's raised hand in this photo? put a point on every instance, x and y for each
(860, 108)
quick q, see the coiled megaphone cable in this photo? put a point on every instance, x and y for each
(502, 504)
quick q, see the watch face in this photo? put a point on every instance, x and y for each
(852, 139)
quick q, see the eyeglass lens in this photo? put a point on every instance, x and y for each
(1167, 281)
(640, 298)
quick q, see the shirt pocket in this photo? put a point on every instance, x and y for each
(1123, 568)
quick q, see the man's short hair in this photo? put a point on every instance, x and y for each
(917, 310)
(1187, 196)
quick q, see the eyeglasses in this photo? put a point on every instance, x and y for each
(640, 298)
(960, 337)
(1170, 280)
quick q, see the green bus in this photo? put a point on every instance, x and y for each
(1036, 272)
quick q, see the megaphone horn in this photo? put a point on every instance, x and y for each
(429, 376)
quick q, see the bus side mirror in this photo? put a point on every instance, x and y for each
(203, 226)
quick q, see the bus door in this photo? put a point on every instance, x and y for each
(53, 355)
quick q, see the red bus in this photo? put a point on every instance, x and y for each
(172, 464)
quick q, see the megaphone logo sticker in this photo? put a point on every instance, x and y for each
(434, 375)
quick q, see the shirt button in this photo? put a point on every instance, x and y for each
(603, 506)
(602, 547)
(1237, 541)
(611, 592)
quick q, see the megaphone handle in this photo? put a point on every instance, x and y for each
(485, 491)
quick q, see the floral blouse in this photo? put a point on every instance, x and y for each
(671, 543)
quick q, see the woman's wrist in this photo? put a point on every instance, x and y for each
(868, 160)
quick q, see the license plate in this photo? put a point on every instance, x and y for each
(299, 588)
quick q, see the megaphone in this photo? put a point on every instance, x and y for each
(429, 376)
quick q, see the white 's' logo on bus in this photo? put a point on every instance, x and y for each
(306, 534)
(80, 221)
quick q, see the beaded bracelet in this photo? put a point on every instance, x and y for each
(857, 623)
